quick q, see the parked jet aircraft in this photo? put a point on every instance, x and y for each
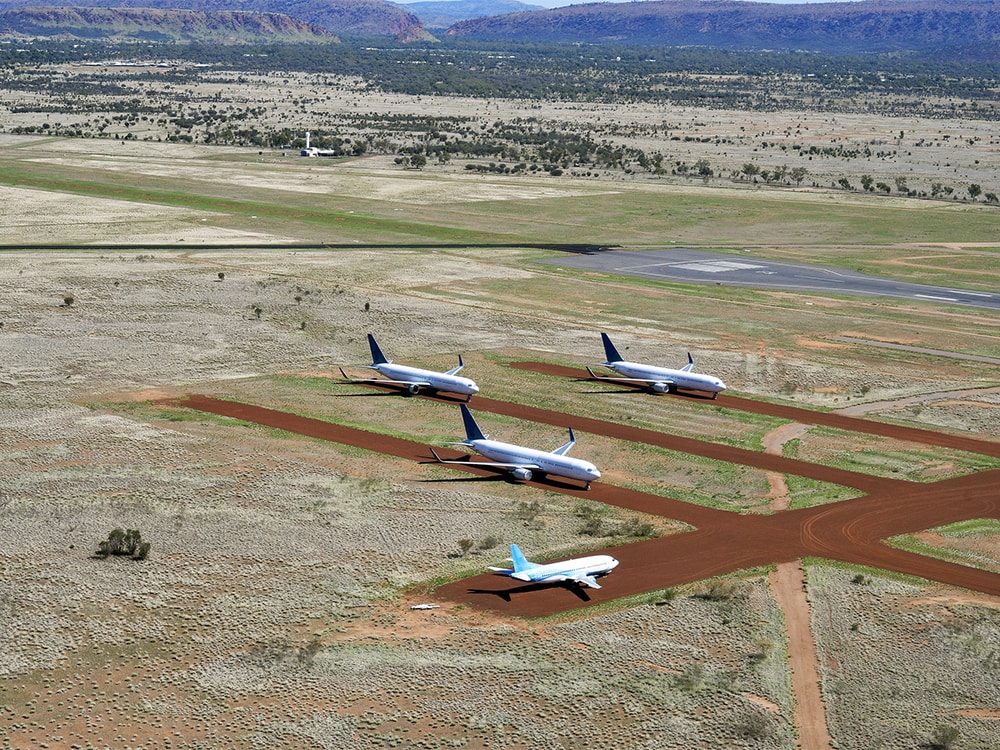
(582, 571)
(414, 378)
(523, 462)
(656, 379)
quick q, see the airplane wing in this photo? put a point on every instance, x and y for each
(578, 577)
(563, 450)
(421, 383)
(484, 463)
(619, 379)
(455, 370)
(585, 580)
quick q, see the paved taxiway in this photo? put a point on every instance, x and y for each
(747, 270)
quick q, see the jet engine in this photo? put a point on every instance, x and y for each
(523, 475)
(412, 389)
(661, 387)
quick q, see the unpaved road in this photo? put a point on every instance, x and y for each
(722, 542)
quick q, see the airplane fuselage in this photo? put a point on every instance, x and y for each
(439, 381)
(549, 463)
(594, 566)
(687, 380)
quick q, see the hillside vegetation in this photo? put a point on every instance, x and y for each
(440, 14)
(874, 26)
(340, 17)
(161, 25)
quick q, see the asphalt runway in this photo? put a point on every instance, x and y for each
(722, 542)
(718, 269)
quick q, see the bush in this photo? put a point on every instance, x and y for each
(124, 544)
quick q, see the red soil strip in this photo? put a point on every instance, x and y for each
(807, 416)
(724, 542)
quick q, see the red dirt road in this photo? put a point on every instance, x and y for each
(805, 416)
(723, 542)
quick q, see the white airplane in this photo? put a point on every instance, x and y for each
(414, 378)
(523, 462)
(657, 379)
(583, 571)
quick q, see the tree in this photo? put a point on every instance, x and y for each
(798, 174)
(866, 182)
(975, 191)
(121, 543)
(750, 170)
(418, 161)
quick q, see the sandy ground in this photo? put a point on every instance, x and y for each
(275, 610)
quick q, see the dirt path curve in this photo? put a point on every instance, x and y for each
(723, 542)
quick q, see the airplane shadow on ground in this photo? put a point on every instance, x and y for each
(487, 478)
(506, 594)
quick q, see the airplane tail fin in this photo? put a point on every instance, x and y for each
(690, 365)
(609, 349)
(520, 561)
(378, 358)
(472, 431)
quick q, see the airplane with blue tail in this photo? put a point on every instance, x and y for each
(656, 379)
(581, 571)
(521, 462)
(413, 379)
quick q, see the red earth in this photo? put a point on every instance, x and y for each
(722, 542)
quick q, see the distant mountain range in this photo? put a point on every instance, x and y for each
(159, 25)
(845, 27)
(956, 28)
(340, 17)
(440, 14)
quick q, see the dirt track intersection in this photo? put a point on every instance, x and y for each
(723, 542)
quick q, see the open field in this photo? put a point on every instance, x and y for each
(273, 610)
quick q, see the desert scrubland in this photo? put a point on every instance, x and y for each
(273, 609)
